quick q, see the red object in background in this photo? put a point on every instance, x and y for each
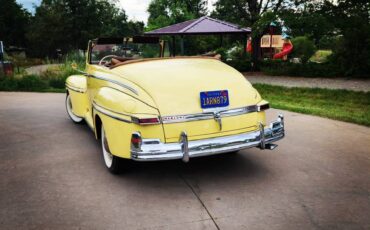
(8, 69)
(249, 46)
(287, 49)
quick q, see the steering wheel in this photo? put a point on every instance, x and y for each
(105, 57)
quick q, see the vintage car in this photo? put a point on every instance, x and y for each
(145, 106)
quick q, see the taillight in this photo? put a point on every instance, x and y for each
(136, 140)
(263, 107)
(145, 121)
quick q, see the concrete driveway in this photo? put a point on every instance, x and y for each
(52, 177)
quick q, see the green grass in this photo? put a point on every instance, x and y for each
(340, 105)
(52, 80)
(321, 56)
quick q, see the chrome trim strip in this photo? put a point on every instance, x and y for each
(209, 115)
(155, 150)
(105, 108)
(116, 82)
(131, 96)
(78, 90)
(109, 113)
(133, 118)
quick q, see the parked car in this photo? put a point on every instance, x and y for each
(6, 67)
(147, 107)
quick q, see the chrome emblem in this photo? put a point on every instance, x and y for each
(217, 117)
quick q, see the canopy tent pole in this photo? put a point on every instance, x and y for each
(173, 46)
(182, 45)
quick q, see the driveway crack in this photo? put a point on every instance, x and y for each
(200, 201)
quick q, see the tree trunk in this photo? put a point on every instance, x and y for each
(256, 52)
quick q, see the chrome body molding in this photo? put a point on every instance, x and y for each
(154, 149)
(78, 90)
(209, 115)
(110, 113)
(115, 82)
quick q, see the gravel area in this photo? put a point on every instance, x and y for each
(330, 83)
(38, 69)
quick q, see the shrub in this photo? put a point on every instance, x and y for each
(304, 48)
(241, 64)
(352, 54)
(8, 84)
(237, 58)
(309, 69)
(32, 83)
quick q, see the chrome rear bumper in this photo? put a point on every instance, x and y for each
(155, 150)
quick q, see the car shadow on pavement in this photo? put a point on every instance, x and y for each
(232, 167)
(212, 169)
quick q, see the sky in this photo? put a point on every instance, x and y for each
(135, 9)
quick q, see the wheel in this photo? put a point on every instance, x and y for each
(111, 162)
(73, 117)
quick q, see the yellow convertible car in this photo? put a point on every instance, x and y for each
(145, 106)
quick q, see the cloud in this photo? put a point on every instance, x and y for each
(136, 9)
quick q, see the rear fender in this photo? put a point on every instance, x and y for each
(116, 111)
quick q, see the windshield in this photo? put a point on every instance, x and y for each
(129, 50)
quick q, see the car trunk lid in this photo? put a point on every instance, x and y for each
(175, 86)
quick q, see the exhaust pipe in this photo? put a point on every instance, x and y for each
(270, 146)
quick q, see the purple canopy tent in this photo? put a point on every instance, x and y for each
(201, 26)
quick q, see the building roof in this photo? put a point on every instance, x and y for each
(203, 25)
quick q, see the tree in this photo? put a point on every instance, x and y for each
(309, 20)
(13, 23)
(351, 19)
(167, 12)
(69, 24)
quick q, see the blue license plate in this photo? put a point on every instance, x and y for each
(213, 99)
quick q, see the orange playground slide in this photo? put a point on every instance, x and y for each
(287, 49)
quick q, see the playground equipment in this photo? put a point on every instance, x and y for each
(287, 49)
(274, 46)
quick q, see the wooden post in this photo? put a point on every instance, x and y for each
(245, 40)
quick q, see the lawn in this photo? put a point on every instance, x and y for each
(321, 56)
(336, 104)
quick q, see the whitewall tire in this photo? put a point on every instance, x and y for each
(111, 162)
(73, 117)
